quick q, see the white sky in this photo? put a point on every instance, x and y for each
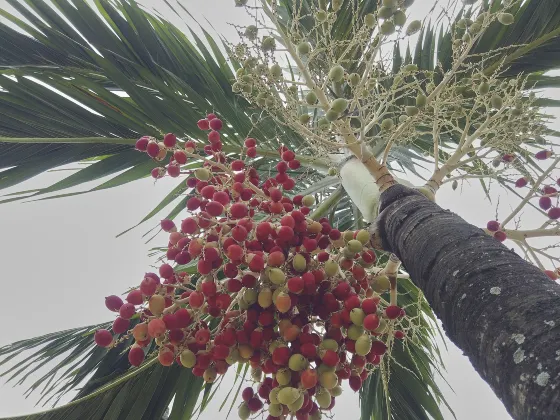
(63, 259)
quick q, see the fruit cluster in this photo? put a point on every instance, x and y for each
(294, 297)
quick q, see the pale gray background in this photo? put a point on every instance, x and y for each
(60, 258)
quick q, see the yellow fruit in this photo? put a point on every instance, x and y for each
(363, 345)
(387, 124)
(328, 344)
(314, 227)
(265, 298)
(140, 332)
(243, 411)
(336, 73)
(296, 405)
(283, 377)
(245, 351)
(382, 327)
(308, 200)
(297, 362)
(336, 391)
(321, 16)
(354, 246)
(209, 375)
(354, 331)
(233, 357)
(156, 305)
(273, 396)
(202, 174)
(288, 395)
(363, 236)
(331, 268)
(250, 296)
(323, 398)
(299, 263)
(357, 316)
(328, 380)
(381, 284)
(276, 276)
(188, 358)
(275, 410)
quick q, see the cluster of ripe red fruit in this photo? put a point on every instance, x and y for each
(275, 288)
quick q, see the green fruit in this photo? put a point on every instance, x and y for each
(381, 284)
(240, 73)
(262, 68)
(269, 101)
(303, 48)
(256, 374)
(299, 263)
(239, 3)
(328, 380)
(188, 358)
(324, 368)
(297, 404)
(332, 172)
(250, 296)
(399, 18)
(276, 71)
(387, 124)
(328, 344)
(413, 27)
(308, 200)
(382, 327)
(311, 98)
(236, 87)
(246, 78)
(288, 395)
(387, 28)
(484, 88)
(336, 5)
(411, 111)
(357, 316)
(466, 37)
(316, 415)
(250, 63)
(516, 112)
(243, 411)
(321, 16)
(385, 12)
(336, 391)
(202, 174)
(410, 68)
(370, 20)
(363, 345)
(283, 377)
(354, 246)
(421, 100)
(251, 32)
(363, 236)
(354, 79)
(407, 3)
(248, 89)
(497, 102)
(339, 105)
(454, 185)
(331, 268)
(323, 398)
(268, 44)
(297, 362)
(273, 396)
(390, 3)
(275, 410)
(354, 331)
(276, 276)
(209, 375)
(348, 235)
(506, 18)
(336, 73)
(462, 24)
(261, 99)
(323, 123)
(475, 28)
(331, 115)
(292, 90)
(403, 118)
(304, 119)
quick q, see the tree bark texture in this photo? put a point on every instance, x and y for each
(502, 311)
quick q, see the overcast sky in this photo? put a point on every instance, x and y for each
(63, 258)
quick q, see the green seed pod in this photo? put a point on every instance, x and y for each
(336, 73)
(268, 44)
(336, 5)
(516, 112)
(421, 100)
(251, 32)
(304, 119)
(339, 105)
(246, 79)
(506, 18)
(311, 98)
(297, 362)
(321, 16)
(466, 37)
(484, 88)
(276, 71)
(475, 28)
(384, 12)
(250, 296)
(370, 20)
(292, 90)
(243, 411)
(399, 18)
(269, 101)
(413, 27)
(240, 73)
(283, 377)
(331, 115)
(261, 99)
(462, 24)
(387, 124)
(497, 102)
(303, 48)
(363, 345)
(354, 79)
(457, 43)
(247, 88)
(411, 111)
(387, 28)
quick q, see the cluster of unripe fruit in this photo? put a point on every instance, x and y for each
(294, 297)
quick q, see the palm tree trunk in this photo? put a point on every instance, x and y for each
(502, 311)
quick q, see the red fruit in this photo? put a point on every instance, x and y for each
(182, 318)
(214, 137)
(392, 311)
(309, 350)
(369, 306)
(136, 356)
(250, 142)
(234, 285)
(193, 203)
(156, 328)
(276, 259)
(196, 299)
(330, 358)
(295, 285)
(294, 164)
(545, 203)
(554, 213)
(216, 124)
(521, 182)
(289, 184)
(202, 336)
(280, 356)
(189, 225)
(120, 325)
(127, 311)
(211, 116)
(493, 226)
(103, 338)
(371, 322)
(148, 286)
(166, 271)
(335, 234)
(275, 194)
(355, 383)
(252, 152)
(237, 165)
(352, 302)
(288, 155)
(500, 236)
(254, 404)
(170, 321)
(173, 170)
(203, 124)
(142, 143)
(309, 378)
(214, 208)
(378, 348)
(399, 334)
(169, 140)
(543, 154)
(547, 189)
(166, 356)
(247, 394)
(113, 303)
(208, 288)
(238, 210)
(257, 263)
(167, 225)
(285, 233)
(158, 173)
(239, 233)
(152, 149)
(180, 157)
(508, 157)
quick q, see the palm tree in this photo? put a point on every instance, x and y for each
(169, 79)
